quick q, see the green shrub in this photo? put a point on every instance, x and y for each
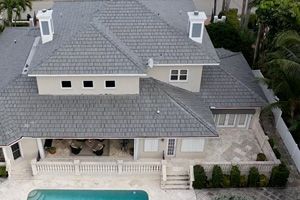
(252, 24)
(271, 142)
(263, 180)
(3, 172)
(232, 18)
(277, 153)
(2, 28)
(235, 174)
(217, 176)
(253, 177)
(279, 176)
(224, 35)
(243, 181)
(261, 157)
(200, 177)
(226, 181)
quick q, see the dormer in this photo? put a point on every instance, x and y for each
(196, 25)
(46, 25)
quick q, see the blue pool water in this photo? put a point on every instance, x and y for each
(87, 195)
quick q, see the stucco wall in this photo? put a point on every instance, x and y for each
(52, 85)
(193, 82)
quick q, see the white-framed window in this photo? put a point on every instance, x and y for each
(151, 145)
(88, 84)
(16, 151)
(178, 75)
(171, 147)
(192, 145)
(66, 84)
(196, 30)
(110, 84)
(232, 120)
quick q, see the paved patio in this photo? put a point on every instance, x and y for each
(19, 189)
(232, 145)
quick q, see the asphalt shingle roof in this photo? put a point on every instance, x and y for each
(231, 84)
(101, 116)
(89, 52)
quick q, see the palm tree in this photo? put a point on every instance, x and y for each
(283, 72)
(14, 6)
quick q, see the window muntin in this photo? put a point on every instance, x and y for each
(45, 28)
(171, 148)
(179, 75)
(196, 30)
(88, 84)
(222, 118)
(110, 84)
(151, 145)
(230, 119)
(66, 84)
(15, 148)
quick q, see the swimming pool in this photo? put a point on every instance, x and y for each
(87, 195)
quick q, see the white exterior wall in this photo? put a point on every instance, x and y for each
(162, 147)
(192, 83)
(52, 85)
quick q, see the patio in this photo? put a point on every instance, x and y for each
(114, 148)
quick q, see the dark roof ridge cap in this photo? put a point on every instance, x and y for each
(177, 30)
(182, 105)
(244, 85)
(103, 30)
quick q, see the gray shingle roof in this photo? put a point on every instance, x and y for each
(149, 36)
(13, 55)
(230, 85)
(101, 116)
(89, 52)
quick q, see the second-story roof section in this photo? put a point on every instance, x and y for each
(151, 36)
(89, 52)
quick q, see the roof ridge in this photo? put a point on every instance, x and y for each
(103, 30)
(249, 89)
(186, 108)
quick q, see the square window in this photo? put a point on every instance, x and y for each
(179, 75)
(110, 84)
(196, 30)
(66, 84)
(88, 84)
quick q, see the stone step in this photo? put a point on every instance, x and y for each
(175, 187)
(177, 182)
(182, 177)
(177, 173)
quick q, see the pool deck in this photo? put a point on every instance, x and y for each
(19, 189)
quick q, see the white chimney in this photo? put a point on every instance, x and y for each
(46, 25)
(196, 25)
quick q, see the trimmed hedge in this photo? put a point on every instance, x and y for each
(253, 177)
(235, 175)
(217, 176)
(200, 177)
(243, 181)
(3, 172)
(263, 180)
(261, 157)
(279, 176)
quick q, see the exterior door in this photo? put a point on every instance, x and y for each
(16, 151)
(171, 147)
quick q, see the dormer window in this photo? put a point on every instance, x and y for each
(196, 25)
(196, 30)
(46, 25)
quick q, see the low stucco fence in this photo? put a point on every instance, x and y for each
(77, 167)
(281, 127)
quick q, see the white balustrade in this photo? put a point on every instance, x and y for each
(78, 167)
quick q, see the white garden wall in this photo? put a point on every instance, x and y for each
(280, 125)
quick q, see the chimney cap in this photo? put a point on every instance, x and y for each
(197, 15)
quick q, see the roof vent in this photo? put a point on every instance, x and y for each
(196, 25)
(46, 25)
(150, 62)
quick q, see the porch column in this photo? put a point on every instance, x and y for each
(136, 148)
(41, 148)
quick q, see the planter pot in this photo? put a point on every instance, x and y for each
(75, 150)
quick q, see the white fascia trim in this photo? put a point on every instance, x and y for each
(70, 75)
(168, 65)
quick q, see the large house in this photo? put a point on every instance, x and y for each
(105, 81)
